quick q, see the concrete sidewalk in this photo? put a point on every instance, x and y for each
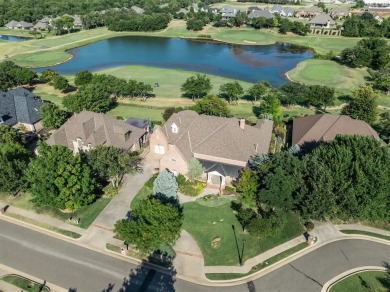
(63, 224)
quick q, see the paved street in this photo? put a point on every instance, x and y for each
(71, 266)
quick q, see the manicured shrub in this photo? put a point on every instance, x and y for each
(309, 225)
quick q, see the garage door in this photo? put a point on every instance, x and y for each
(159, 149)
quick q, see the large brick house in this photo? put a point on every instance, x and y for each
(20, 108)
(86, 130)
(222, 145)
(325, 127)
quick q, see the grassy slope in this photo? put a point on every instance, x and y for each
(365, 281)
(199, 222)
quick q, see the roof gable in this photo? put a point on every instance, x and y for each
(325, 127)
(217, 137)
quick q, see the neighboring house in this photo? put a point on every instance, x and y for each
(322, 20)
(325, 127)
(253, 8)
(228, 12)
(339, 13)
(277, 9)
(86, 130)
(222, 145)
(183, 10)
(77, 22)
(260, 13)
(41, 26)
(309, 12)
(139, 123)
(20, 107)
(138, 10)
(19, 25)
(195, 8)
(214, 10)
(205, 8)
(12, 24)
(288, 12)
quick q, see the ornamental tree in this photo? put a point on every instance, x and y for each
(195, 169)
(153, 224)
(165, 185)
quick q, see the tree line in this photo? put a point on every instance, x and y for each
(366, 26)
(329, 182)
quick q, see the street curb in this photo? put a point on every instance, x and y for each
(328, 285)
(205, 282)
(8, 270)
(289, 259)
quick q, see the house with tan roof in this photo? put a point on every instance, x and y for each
(322, 20)
(325, 127)
(309, 11)
(222, 145)
(86, 130)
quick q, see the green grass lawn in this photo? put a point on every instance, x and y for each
(199, 222)
(143, 193)
(86, 214)
(268, 262)
(365, 281)
(65, 232)
(23, 283)
(366, 233)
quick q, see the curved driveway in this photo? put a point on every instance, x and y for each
(72, 266)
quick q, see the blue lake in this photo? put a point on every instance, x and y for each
(11, 38)
(248, 63)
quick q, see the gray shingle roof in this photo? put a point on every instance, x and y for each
(260, 13)
(19, 105)
(325, 127)
(217, 137)
(322, 19)
(96, 129)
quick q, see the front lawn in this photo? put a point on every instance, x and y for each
(24, 283)
(86, 214)
(365, 281)
(206, 223)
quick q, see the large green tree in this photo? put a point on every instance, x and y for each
(52, 116)
(92, 98)
(197, 86)
(270, 106)
(13, 160)
(348, 177)
(60, 179)
(258, 90)
(153, 224)
(10, 135)
(111, 164)
(83, 78)
(213, 106)
(363, 106)
(232, 91)
(12, 75)
(60, 83)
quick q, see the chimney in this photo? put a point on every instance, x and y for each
(242, 123)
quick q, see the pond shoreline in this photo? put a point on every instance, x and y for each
(234, 60)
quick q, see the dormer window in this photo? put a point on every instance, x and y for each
(174, 128)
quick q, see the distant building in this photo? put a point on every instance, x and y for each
(309, 11)
(322, 20)
(19, 25)
(228, 12)
(260, 13)
(20, 107)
